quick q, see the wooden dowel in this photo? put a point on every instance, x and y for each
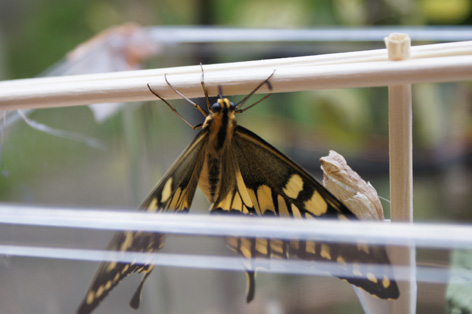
(401, 173)
(236, 80)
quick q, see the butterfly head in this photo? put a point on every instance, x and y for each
(222, 105)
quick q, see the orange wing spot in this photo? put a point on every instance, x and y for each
(372, 278)
(296, 212)
(316, 204)
(362, 246)
(166, 191)
(325, 251)
(253, 197)
(90, 297)
(264, 197)
(127, 242)
(153, 205)
(226, 202)
(108, 285)
(277, 246)
(341, 260)
(111, 266)
(294, 186)
(237, 202)
(342, 217)
(295, 244)
(311, 247)
(283, 210)
(243, 191)
(125, 269)
(99, 291)
(245, 248)
(175, 199)
(232, 243)
(261, 246)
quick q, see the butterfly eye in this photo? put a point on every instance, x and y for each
(232, 107)
(216, 107)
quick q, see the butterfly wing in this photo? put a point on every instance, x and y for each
(174, 193)
(269, 183)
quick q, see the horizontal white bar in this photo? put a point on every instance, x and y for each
(433, 236)
(167, 35)
(289, 266)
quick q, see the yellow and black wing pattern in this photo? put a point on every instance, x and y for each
(241, 173)
(174, 193)
(268, 183)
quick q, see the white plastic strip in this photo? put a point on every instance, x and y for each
(168, 35)
(433, 236)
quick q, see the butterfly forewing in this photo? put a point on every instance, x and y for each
(176, 189)
(174, 193)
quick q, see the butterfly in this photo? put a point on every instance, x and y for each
(240, 173)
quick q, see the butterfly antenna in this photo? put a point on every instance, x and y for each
(205, 91)
(203, 112)
(245, 99)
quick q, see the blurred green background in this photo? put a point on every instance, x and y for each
(142, 140)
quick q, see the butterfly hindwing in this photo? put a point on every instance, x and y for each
(174, 193)
(276, 186)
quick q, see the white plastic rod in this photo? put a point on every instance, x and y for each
(401, 172)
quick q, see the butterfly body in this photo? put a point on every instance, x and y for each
(241, 173)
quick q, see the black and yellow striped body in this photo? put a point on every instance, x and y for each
(241, 173)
